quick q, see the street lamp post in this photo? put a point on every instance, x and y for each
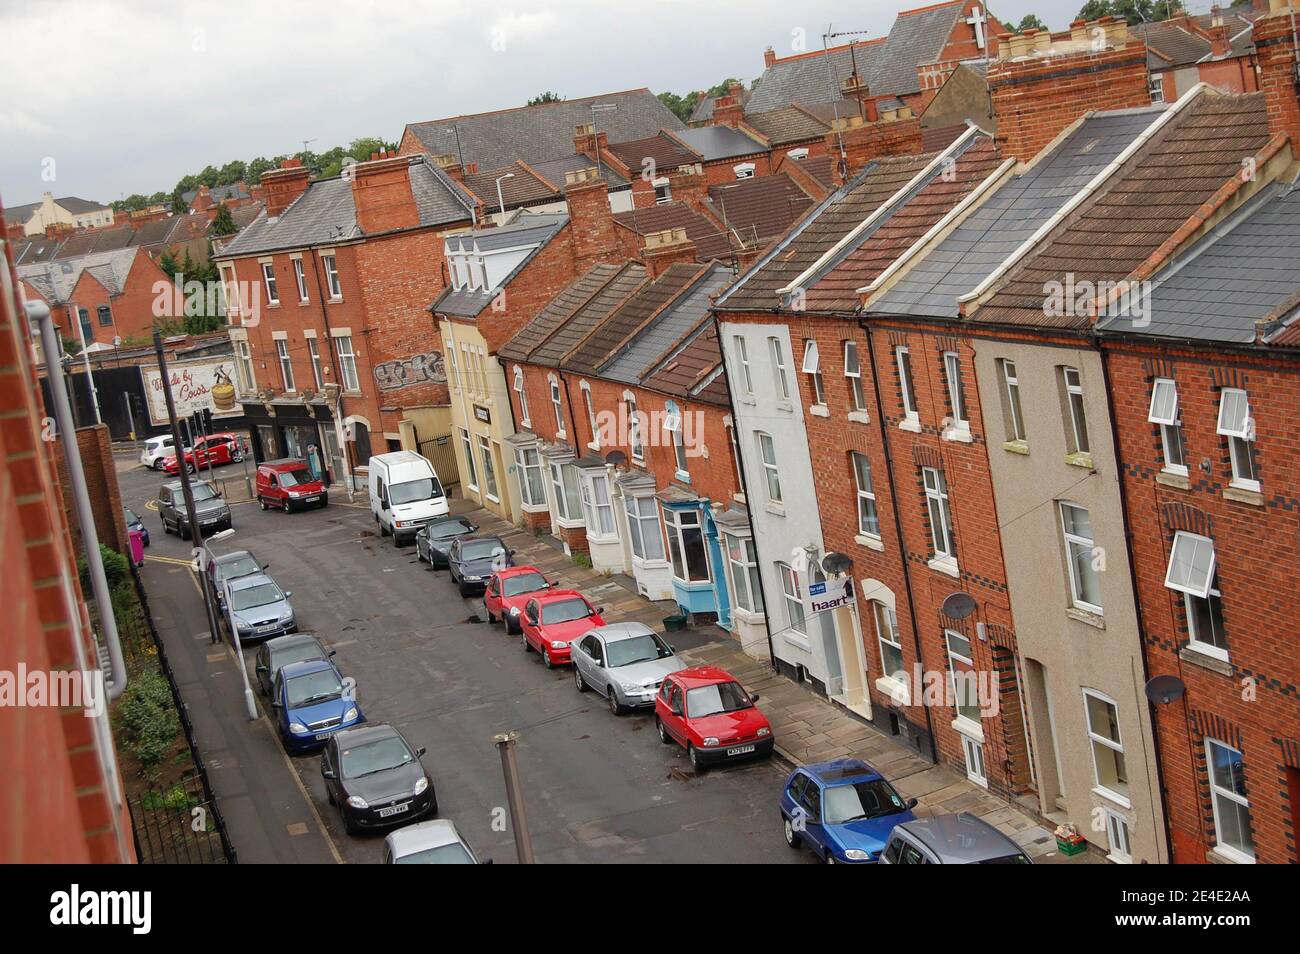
(250, 701)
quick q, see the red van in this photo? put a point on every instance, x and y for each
(289, 485)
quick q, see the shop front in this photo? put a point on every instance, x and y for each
(297, 429)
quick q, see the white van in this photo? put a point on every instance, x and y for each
(405, 494)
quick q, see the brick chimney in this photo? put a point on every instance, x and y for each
(666, 248)
(283, 185)
(586, 141)
(1042, 82)
(381, 190)
(769, 57)
(727, 110)
(896, 132)
(1279, 72)
(591, 220)
(689, 184)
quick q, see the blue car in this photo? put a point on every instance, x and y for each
(312, 702)
(842, 810)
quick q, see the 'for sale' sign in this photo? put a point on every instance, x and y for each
(830, 594)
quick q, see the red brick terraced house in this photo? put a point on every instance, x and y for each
(327, 291)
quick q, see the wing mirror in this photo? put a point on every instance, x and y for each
(419, 752)
(333, 651)
(912, 803)
(328, 773)
(289, 593)
(753, 697)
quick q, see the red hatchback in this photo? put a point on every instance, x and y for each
(552, 620)
(210, 451)
(508, 591)
(706, 710)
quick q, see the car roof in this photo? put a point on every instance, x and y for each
(550, 596)
(961, 838)
(222, 435)
(306, 667)
(253, 579)
(370, 732)
(293, 639)
(422, 836)
(176, 484)
(509, 571)
(840, 771)
(702, 676)
(231, 557)
(613, 632)
(284, 463)
(481, 537)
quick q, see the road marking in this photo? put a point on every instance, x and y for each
(175, 561)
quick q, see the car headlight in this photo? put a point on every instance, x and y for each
(514, 611)
(350, 714)
(711, 740)
(356, 801)
(243, 627)
(421, 785)
(297, 728)
(559, 644)
(286, 616)
(764, 731)
(857, 854)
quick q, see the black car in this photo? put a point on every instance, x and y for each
(135, 523)
(472, 560)
(212, 512)
(436, 536)
(274, 654)
(376, 778)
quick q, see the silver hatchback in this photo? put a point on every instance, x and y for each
(625, 662)
(260, 608)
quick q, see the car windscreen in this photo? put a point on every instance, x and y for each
(448, 529)
(637, 649)
(314, 687)
(204, 492)
(299, 652)
(720, 697)
(377, 756)
(295, 478)
(453, 854)
(523, 583)
(1017, 859)
(565, 611)
(237, 568)
(131, 518)
(480, 549)
(251, 597)
(859, 800)
(409, 491)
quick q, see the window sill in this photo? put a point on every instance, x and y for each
(304, 303)
(972, 730)
(748, 399)
(495, 500)
(859, 417)
(1016, 447)
(738, 498)
(1243, 495)
(784, 405)
(561, 436)
(910, 424)
(1206, 660)
(897, 691)
(870, 542)
(1087, 617)
(1171, 478)
(334, 301)
(1224, 855)
(592, 445)
(819, 410)
(682, 476)
(748, 617)
(774, 508)
(535, 508)
(564, 523)
(797, 640)
(273, 304)
(655, 564)
(959, 435)
(945, 565)
(1115, 798)
(1079, 459)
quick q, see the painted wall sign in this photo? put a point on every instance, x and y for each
(195, 385)
(424, 368)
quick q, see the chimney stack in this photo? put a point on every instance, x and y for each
(666, 248)
(1279, 72)
(591, 221)
(283, 185)
(586, 141)
(727, 110)
(689, 184)
(895, 132)
(769, 57)
(381, 191)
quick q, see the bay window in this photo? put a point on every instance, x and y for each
(686, 545)
(742, 558)
(643, 528)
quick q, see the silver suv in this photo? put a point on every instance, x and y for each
(212, 511)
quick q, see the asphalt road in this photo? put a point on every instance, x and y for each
(597, 788)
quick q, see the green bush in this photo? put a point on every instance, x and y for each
(116, 569)
(148, 718)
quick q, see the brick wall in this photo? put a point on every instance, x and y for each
(1275, 53)
(96, 449)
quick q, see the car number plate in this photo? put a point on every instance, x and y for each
(394, 810)
(740, 750)
(322, 736)
(312, 499)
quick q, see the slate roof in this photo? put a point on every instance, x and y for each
(788, 124)
(19, 214)
(710, 241)
(1146, 201)
(326, 213)
(235, 190)
(96, 240)
(630, 278)
(544, 131)
(1012, 214)
(693, 370)
(536, 230)
(819, 231)
(671, 326)
(703, 110)
(56, 279)
(572, 297)
(1179, 46)
(1245, 269)
(759, 208)
(917, 36)
(666, 152)
(712, 143)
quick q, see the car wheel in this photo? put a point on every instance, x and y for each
(612, 698)
(419, 554)
(166, 529)
(523, 639)
(158, 464)
(578, 681)
(397, 542)
(664, 737)
(286, 504)
(433, 806)
(261, 502)
(696, 765)
(348, 827)
(463, 591)
(492, 620)
(329, 796)
(512, 628)
(792, 837)
(185, 530)
(829, 859)
(546, 657)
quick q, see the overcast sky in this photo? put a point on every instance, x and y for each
(111, 98)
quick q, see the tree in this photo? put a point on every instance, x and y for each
(1029, 22)
(1134, 11)
(679, 106)
(223, 223)
(546, 97)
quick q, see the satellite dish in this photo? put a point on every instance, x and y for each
(1165, 689)
(615, 457)
(834, 562)
(959, 605)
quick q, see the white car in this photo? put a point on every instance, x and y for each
(155, 450)
(435, 842)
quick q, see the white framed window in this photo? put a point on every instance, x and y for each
(528, 464)
(891, 644)
(962, 678)
(1193, 571)
(777, 354)
(454, 365)
(1236, 424)
(347, 362)
(300, 276)
(634, 429)
(317, 369)
(853, 374)
(742, 560)
(1226, 770)
(744, 170)
(663, 190)
(1109, 771)
(1117, 835)
(956, 395)
(489, 468)
(686, 549)
(1164, 412)
(1156, 88)
(286, 363)
(471, 473)
(557, 406)
(596, 504)
(673, 424)
(812, 364)
(735, 456)
(973, 749)
(564, 487)
(523, 397)
(244, 362)
(1077, 430)
(1011, 391)
(332, 276)
(767, 456)
(591, 416)
(268, 279)
(1080, 551)
(938, 505)
(742, 359)
(906, 385)
(868, 519)
(792, 593)
(643, 527)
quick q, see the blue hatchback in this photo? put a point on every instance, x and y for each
(842, 810)
(312, 702)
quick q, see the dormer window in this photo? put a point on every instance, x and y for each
(798, 155)
(744, 170)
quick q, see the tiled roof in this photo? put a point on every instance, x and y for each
(523, 188)
(56, 280)
(602, 340)
(527, 230)
(557, 311)
(940, 137)
(788, 124)
(693, 371)
(996, 228)
(1178, 45)
(1244, 270)
(712, 143)
(820, 231)
(235, 190)
(666, 152)
(821, 168)
(570, 333)
(1147, 200)
(96, 240)
(710, 241)
(553, 170)
(806, 79)
(544, 131)
(759, 208)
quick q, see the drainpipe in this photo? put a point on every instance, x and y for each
(898, 523)
(1137, 601)
(39, 312)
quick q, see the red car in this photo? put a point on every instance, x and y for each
(212, 450)
(706, 710)
(552, 620)
(508, 591)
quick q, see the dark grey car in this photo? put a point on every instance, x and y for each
(231, 566)
(435, 539)
(274, 654)
(376, 778)
(472, 560)
(213, 513)
(962, 839)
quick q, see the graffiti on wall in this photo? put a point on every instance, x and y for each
(406, 372)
